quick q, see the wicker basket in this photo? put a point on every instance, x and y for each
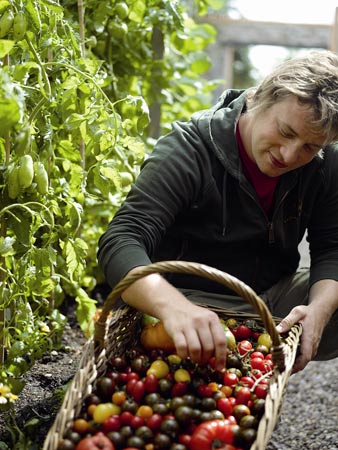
(114, 334)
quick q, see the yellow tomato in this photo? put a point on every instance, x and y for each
(159, 368)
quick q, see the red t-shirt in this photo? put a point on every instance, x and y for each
(264, 185)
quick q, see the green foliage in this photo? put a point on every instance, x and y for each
(78, 88)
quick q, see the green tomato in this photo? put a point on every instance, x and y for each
(6, 23)
(117, 30)
(26, 171)
(19, 26)
(122, 10)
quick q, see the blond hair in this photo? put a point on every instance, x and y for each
(313, 79)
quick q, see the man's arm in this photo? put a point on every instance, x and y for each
(323, 302)
(196, 331)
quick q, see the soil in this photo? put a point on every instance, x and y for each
(308, 418)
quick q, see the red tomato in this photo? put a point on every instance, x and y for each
(98, 441)
(244, 347)
(154, 422)
(258, 363)
(137, 390)
(246, 381)
(137, 421)
(111, 424)
(225, 406)
(243, 332)
(257, 355)
(126, 417)
(230, 379)
(243, 395)
(151, 383)
(207, 432)
(204, 390)
(184, 439)
(179, 389)
(261, 390)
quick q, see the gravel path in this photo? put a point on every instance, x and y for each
(309, 415)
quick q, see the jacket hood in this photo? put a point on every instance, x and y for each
(217, 126)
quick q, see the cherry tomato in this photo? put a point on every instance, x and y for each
(154, 422)
(244, 347)
(230, 379)
(258, 363)
(111, 424)
(246, 381)
(261, 390)
(151, 383)
(243, 332)
(225, 406)
(243, 395)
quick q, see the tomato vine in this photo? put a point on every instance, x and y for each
(76, 98)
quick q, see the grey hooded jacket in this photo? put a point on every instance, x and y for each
(192, 202)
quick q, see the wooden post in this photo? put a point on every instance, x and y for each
(334, 35)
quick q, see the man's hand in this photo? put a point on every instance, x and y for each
(313, 328)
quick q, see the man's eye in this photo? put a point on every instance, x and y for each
(286, 134)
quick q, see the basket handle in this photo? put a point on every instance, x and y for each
(205, 271)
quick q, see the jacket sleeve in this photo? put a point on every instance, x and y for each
(323, 225)
(169, 181)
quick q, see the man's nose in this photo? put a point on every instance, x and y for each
(289, 153)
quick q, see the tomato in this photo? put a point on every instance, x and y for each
(182, 375)
(80, 426)
(6, 23)
(118, 30)
(98, 441)
(122, 10)
(19, 26)
(154, 422)
(41, 178)
(204, 390)
(230, 379)
(111, 424)
(246, 381)
(151, 383)
(105, 410)
(26, 171)
(179, 389)
(155, 336)
(261, 390)
(144, 411)
(119, 397)
(265, 339)
(138, 391)
(243, 332)
(225, 406)
(257, 355)
(258, 363)
(13, 182)
(243, 395)
(230, 337)
(244, 347)
(208, 432)
(159, 368)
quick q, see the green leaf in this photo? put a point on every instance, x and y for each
(6, 246)
(137, 10)
(33, 14)
(85, 311)
(5, 47)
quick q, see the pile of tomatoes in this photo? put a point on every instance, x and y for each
(154, 400)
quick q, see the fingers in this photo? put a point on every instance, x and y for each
(202, 342)
(295, 316)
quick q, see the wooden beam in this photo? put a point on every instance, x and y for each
(244, 32)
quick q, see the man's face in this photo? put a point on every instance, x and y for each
(281, 138)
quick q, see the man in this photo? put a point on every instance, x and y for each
(236, 188)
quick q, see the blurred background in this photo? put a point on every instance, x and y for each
(255, 35)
